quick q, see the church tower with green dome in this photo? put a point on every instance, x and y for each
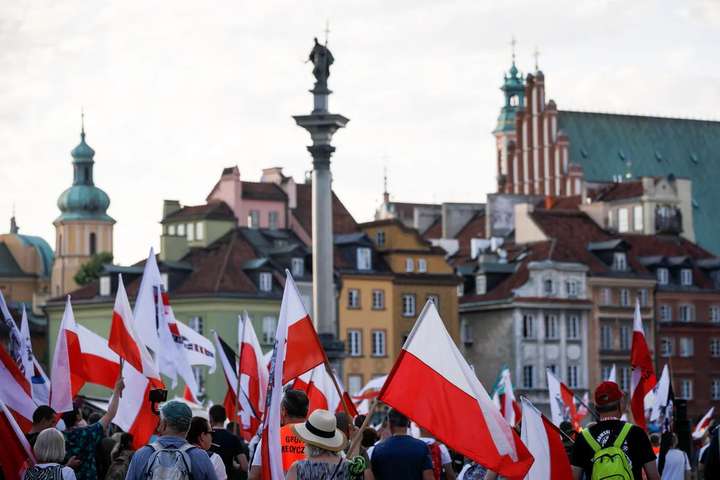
(83, 228)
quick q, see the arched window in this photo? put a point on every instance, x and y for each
(93, 244)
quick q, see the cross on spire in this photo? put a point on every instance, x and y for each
(536, 54)
(513, 43)
(82, 121)
(327, 31)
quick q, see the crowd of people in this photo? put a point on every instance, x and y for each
(333, 446)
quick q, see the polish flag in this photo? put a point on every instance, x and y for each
(504, 398)
(545, 444)
(15, 392)
(434, 386)
(124, 339)
(703, 424)
(582, 410)
(304, 350)
(253, 377)
(134, 413)
(321, 391)
(562, 402)
(290, 308)
(16, 455)
(100, 364)
(67, 375)
(371, 389)
(643, 374)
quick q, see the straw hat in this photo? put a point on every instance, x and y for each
(320, 430)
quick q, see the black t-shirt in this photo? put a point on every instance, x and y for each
(636, 446)
(228, 446)
(400, 457)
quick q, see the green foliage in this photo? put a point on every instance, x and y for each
(91, 270)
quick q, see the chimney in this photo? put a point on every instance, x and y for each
(170, 206)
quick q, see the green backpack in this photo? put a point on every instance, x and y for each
(610, 463)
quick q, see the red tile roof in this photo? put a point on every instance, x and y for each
(343, 221)
(211, 210)
(434, 230)
(617, 191)
(263, 191)
(474, 228)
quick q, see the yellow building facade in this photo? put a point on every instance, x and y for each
(378, 308)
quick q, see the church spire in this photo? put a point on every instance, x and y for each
(513, 89)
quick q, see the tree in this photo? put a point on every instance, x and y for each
(90, 271)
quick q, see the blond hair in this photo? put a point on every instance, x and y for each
(50, 446)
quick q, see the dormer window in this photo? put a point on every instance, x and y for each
(380, 238)
(573, 288)
(686, 277)
(480, 285)
(104, 286)
(409, 264)
(623, 220)
(663, 276)
(619, 261)
(265, 282)
(548, 286)
(364, 258)
(298, 267)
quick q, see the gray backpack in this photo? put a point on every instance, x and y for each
(169, 463)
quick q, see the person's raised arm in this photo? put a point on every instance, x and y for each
(651, 471)
(114, 403)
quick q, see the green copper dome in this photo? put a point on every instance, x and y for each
(513, 88)
(83, 200)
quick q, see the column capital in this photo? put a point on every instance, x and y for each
(321, 156)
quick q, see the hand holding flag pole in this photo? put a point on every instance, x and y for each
(357, 438)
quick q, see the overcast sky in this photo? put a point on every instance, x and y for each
(175, 91)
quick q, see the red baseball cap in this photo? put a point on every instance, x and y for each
(607, 392)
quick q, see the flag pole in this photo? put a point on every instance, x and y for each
(239, 369)
(591, 410)
(355, 442)
(554, 427)
(337, 387)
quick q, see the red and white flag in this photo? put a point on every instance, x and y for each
(124, 339)
(433, 385)
(67, 375)
(368, 392)
(504, 398)
(16, 455)
(134, 412)
(582, 409)
(703, 424)
(15, 391)
(562, 402)
(253, 377)
(304, 350)
(321, 391)
(543, 440)
(643, 374)
(100, 364)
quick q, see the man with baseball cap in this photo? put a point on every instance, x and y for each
(608, 403)
(174, 424)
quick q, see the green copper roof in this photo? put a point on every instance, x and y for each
(513, 86)
(46, 253)
(601, 143)
(8, 266)
(83, 201)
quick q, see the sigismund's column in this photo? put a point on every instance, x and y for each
(322, 125)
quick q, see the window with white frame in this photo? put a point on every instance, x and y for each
(638, 218)
(663, 276)
(552, 327)
(378, 299)
(409, 264)
(715, 347)
(435, 299)
(686, 389)
(686, 277)
(686, 347)
(408, 305)
(466, 336)
(715, 389)
(265, 281)
(355, 343)
(171, 230)
(528, 326)
(528, 378)
(643, 297)
(665, 313)
(625, 337)
(548, 286)
(606, 337)
(687, 313)
(480, 284)
(105, 285)
(380, 238)
(715, 314)
(297, 266)
(200, 231)
(364, 258)
(666, 347)
(181, 229)
(625, 297)
(378, 343)
(620, 261)
(625, 375)
(353, 298)
(573, 327)
(623, 221)
(196, 323)
(273, 220)
(606, 296)
(573, 379)
(572, 288)
(422, 265)
(355, 383)
(254, 219)
(605, 371)
(460, 289)
(269, 327)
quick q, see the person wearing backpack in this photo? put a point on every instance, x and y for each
(171, 457)
(611, 448)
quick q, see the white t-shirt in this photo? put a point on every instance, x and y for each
(219, 466)
(67, 472)
(444, 453)
(676, 464)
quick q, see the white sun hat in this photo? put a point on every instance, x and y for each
(320, 430)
